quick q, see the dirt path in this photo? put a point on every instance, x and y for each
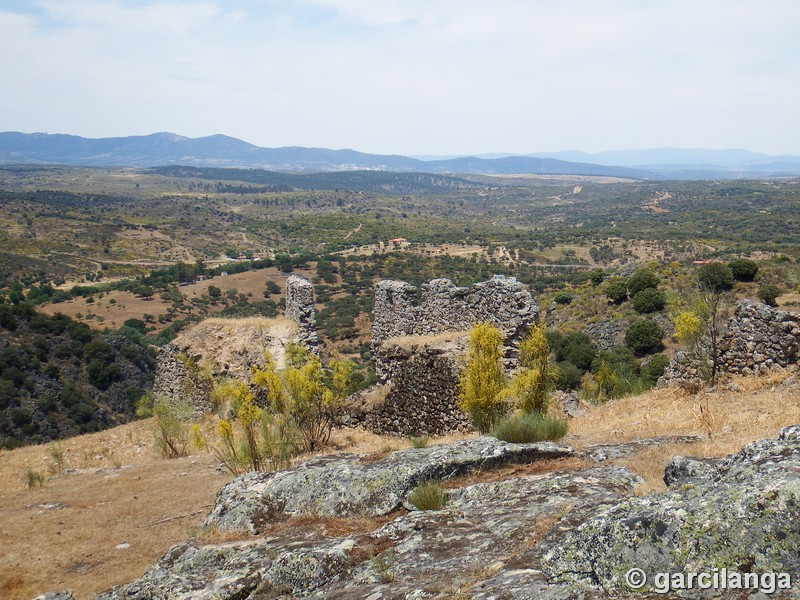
(356, 230)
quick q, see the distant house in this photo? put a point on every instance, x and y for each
(200, 278)
(398, 241)
(223, 274)
(700, 262)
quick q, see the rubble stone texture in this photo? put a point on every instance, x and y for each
(757, 339)
(300, 309)
(443, 306)
(422, 396)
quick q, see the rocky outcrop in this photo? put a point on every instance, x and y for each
(757, 339)
(300, 309)
(445, 307)
(423, 372)
(562, 529)
(739, 513)
(347, 485)
(483, 529)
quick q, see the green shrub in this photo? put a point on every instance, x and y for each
(569, 376)
(769, 293)
(715, 277)
(654, 368)
(743, 269)
(429, 495)
(576, 348)
(172, 432)
(617, 289)
(644, 336)
(597, 276)
(419, 441)
(563, 298)
(649, 300)
(529, 427)
(643, 279)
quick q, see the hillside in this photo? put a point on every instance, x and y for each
(147, 503)
(59, 378)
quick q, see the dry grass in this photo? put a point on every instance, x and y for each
(128, 306)
(231, 341)
(64, 534)
(726, 419)
(446, 337)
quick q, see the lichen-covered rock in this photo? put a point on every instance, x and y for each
(66, 595)
(201, 572)
(740, 513)
(346, 485)
(483, 529)
(606, 452)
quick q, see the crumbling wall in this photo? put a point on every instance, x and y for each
(422, 396)
(300, 309)
(217, 348)
(443, 306)
(755, 340)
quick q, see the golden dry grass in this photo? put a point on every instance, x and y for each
(64, 535)
(725, 419)
(409, 341)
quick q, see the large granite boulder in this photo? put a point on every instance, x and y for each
(738, 513)
(349, 485)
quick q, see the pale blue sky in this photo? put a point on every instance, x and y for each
(407, 76)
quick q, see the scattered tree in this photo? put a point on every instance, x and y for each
(643, 279)
(649, 300)
(743, 269)
(769, 293)
(644, 336)
(715, 277)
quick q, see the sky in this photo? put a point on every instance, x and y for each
(410, 77)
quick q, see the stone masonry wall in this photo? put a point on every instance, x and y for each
(757, 338)
(300, 308)
(444, 307)
(421, 399)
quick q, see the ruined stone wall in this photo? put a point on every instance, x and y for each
(757, 338)
(443, 306)
(217, 348)
(300, 309)
(421, 399)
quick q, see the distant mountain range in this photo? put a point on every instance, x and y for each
(161, 149)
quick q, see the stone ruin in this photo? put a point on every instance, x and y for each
(757, 339)
(300, 309)
(418, 344)
(231, 347)
(446, 307)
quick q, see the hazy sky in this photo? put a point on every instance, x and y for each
(410, 76)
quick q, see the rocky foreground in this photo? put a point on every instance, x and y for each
(572, 532)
